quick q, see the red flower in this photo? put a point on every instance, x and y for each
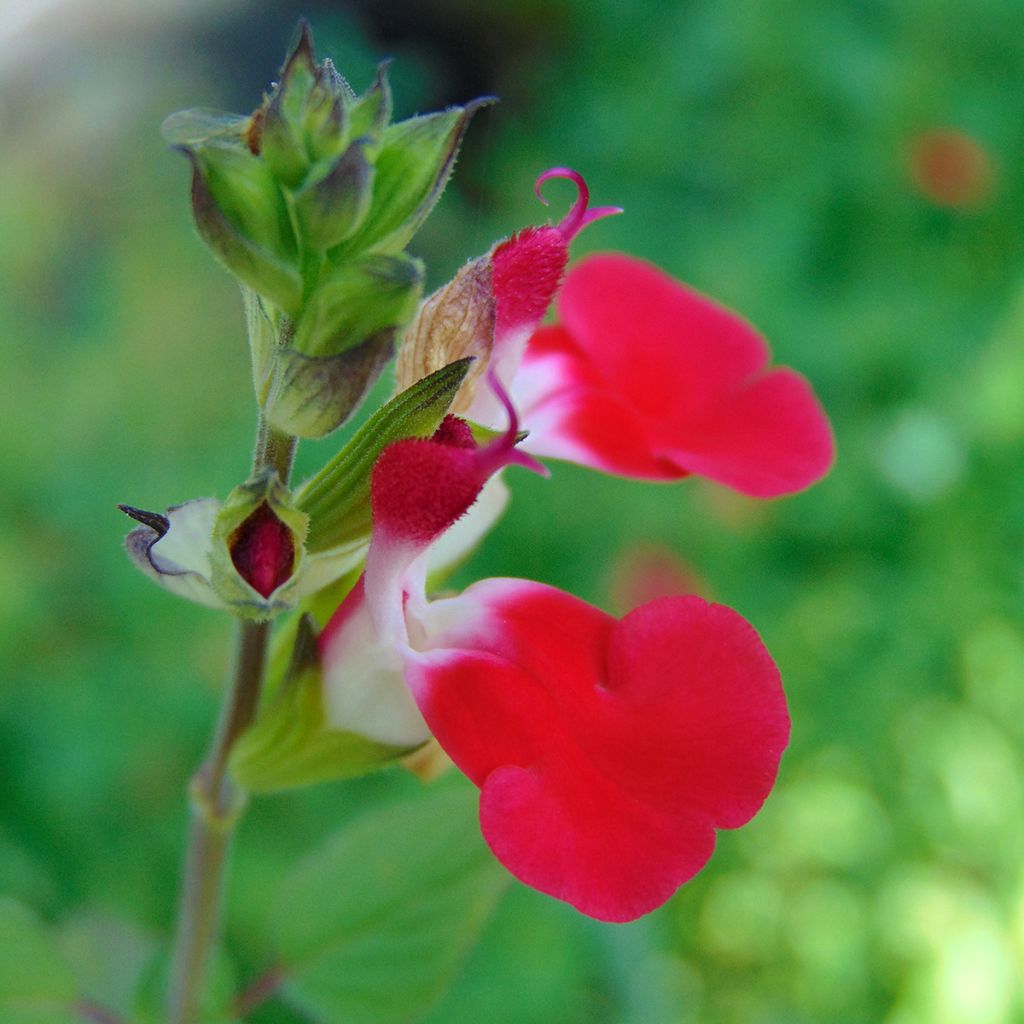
(647, 378)
(607, 752)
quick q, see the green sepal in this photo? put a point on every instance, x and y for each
(341, 343)
(357, 300)
(413, 166)
(262, 334)
(248, 195)
(264, 272)
(281, 146)
(298, 74)
(330, 209)
(290, 744)
(200, 125)
(337, 499)
(314, 395)
(263, 488)
(325, 121)
(371, 113)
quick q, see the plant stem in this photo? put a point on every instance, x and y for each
(217, 802)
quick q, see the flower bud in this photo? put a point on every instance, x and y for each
(266, 272)
(342, 341)
(330, 209)
(258, 548)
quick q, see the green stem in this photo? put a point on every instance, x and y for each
(217, 802)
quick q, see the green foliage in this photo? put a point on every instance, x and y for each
(762, 153)
(36, 984)
(370, 928)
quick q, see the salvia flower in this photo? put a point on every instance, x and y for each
(607, 752)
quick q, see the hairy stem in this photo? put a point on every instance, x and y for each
(216, 801)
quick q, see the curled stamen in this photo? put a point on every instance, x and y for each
(578, 216)
(503, 450)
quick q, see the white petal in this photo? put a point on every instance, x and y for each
(364, 684)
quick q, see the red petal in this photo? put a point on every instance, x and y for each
(649, 378)
(607, 752)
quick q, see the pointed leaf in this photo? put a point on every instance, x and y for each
(337, 499)
(372, 927)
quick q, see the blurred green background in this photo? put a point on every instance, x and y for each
(849, 176)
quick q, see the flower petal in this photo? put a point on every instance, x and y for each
(607, 752)
(648, 378)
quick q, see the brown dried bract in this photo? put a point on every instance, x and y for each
(456, 321)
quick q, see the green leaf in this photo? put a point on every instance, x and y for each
(36, 984)
(107, 956)
(337, 499)
(415, 161)
(372, 927)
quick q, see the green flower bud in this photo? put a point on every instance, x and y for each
(263, 270)
(280, 145)
(325, 119)
(290, 745)
(341, 343)
(313, 395)
(330, 209)
(248, 194)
